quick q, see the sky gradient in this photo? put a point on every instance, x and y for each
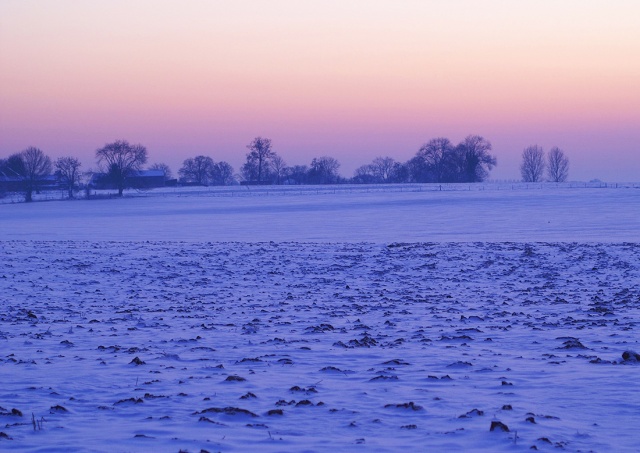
(353, 79)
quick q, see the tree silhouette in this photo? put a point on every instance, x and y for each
(222, 174)
(68, 172)
(121, 160)
(197, 170)
(324, 170)
(36, 167)
(258, 159)
(532, 167)
(381, 170)
(434, 155)
(279, 167)
(557, 165)
(474, 159)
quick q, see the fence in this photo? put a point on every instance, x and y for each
(266, 191)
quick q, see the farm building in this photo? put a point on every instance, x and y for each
(143, 179)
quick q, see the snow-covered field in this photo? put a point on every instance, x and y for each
(374, 321)
(378, 214)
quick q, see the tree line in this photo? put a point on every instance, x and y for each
(436, 161)
(31, 170)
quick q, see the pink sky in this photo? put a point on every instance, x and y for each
(353, 79)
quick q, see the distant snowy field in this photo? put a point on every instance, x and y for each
(379, 214)
(376, 320)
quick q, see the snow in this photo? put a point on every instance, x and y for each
(338, 214)
(393, 313)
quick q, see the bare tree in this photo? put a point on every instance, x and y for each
(36, 167)
(324, 170)
(383, 168)
(299, 174)
(473, 159)
(381, 171)
(418, 170)
(532, 167)
(120, 160)
(161, 166)
(197, 170)
(439, 161)
(258, 159)
(68, 173)
(222, 174)
(557, 165)
(279, 167)
(400, 172)
(434, 155)
(365, 174)
(249, 171)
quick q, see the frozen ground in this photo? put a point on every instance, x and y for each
(338, 214)
(191, 331)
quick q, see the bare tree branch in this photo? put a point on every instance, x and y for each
(120, 160)
(532, 167)
(557, 165)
